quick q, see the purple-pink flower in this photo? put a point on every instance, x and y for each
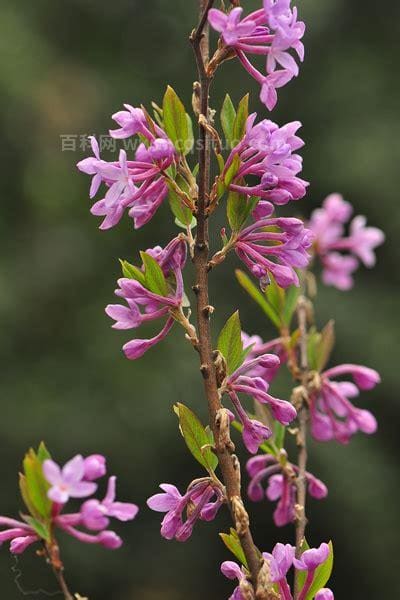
(341, 255)
(69, 481)
(137, 185)
(267, 153)
(73, 480)
(280, 561)
(275, 246)
(281, 486)
(144, 305)
(202, 500)
(333, 416)
(271, 32)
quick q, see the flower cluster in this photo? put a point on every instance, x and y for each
(333, 416)
(281, 486)
(271, 32)
(280, 561)
(202, 500)
(77, 479)
(287, 246)
(267, 152)
(137, 185)
(340, 255)
(153, 292)
(248, 379)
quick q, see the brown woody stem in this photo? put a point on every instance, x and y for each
(301, 519)
(228, 462)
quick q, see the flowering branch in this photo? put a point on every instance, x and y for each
(301, 481)
(229, 464)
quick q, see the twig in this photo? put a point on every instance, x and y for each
(301, 519)
(228, 462)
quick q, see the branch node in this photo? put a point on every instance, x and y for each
(205, 371)
(240, 515)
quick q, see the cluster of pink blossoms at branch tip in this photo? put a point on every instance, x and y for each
(137, 185)
(281, 486)
(271, 32)
(202, 500)
(77, 479)
(145, 305)
(333, 416)
(340, 255)
(280, 561)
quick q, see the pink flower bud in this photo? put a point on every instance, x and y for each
(95, 467)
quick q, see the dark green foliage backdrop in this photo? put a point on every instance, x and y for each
(65, 67)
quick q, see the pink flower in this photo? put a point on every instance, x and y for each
(67, 482)
(271, 32)
(95, 467)
(144, 305)
(95, 514)
(231, 570)
(324, 594)
(280, 487)
(340, 255)
(264, 250)
(135, 185)
(201, 501)
(333, 416)
(311, 559)
(268, 154)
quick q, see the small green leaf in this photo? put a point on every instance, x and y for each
(43, 454)
(232, 542)
(238, 209)
(41, 528)
(196, 437)
(36, 484)
(313, 341)
(279, 434)
(291, 297)
(326, 345)
(230, 343)
(239, 125)
(23, 487)
(131, 272)
(228, 116)
(190, 137)
(175, 120)
(276, 296)
(259, 297)
(179, 210)
(232, 170)
(154, 277)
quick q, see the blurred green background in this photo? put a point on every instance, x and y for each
(65, 67)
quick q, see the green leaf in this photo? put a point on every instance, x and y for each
(131, 272)
(25, 495)
(259, 297)
(190, 137)
(154, 277)
(291, 297)
(228, 116)
(275, 296)
(230, 343)
(232, 170)
(36, 485)
(232, 542)
(41, 528)
(42, 453)
(179, 210)
(175, 120)
(196, 437)
(326, 345)
(313, 340)
(321, 576)
(239, 125)
(238, 209)
(279, 434)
